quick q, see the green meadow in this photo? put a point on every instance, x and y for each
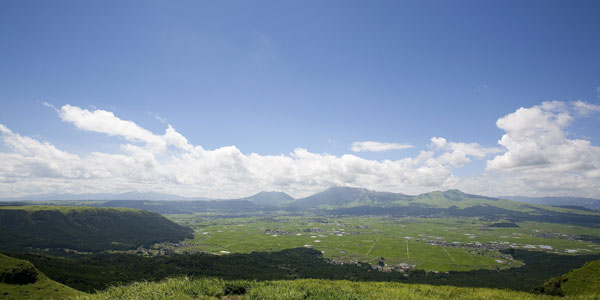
(432, 244)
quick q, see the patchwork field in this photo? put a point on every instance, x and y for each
(432, 244)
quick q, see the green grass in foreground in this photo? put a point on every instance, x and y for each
(585, 280)
(19, 279)
(211, 288)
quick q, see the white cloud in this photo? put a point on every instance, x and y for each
(377, 146)
(46, 104)
(159, 118)
(536, 157)
(169, 163)
(585, 109)
(540, 157)
(535, 139)
(105, 122)
(459, 154)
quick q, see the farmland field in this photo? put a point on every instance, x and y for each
(432, 244)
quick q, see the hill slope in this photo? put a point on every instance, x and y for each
(454, 198)
(19, 279)
(584, 281)
(270, 199)
(559, 201)
(451, 203)
(349, 197)
(84, 228)
(211, 288)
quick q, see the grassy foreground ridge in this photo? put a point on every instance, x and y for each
(19, 279)
(585, 280)
(582, 281)
(212, 288)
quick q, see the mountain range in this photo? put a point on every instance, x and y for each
(270, 199)
(348, 197)
(589, 203)
(332, 198)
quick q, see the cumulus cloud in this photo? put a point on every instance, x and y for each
(459, 154)
(536, 139)
(535, 157)
(585, 109)
(223, 172)
(106, 122)
(540, 157)
(378, 146)
(170, 163)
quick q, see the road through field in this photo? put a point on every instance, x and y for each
(448, 253)
(373, 246)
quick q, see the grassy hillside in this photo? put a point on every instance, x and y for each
(585, 280)
(582, 281)
(186, 288)
(458, 199)
(336, 197)
(454, 203)
(588, 203)
(83, 228)
(19, 279)
(356, 201)
(270, 199)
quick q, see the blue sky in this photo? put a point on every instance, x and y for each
(271, 76)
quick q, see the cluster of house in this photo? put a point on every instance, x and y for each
(341, 262)
(473, 245)
(338, 232)
(314, 230)
(495, 246)
(553, 235)
(277, 232)
(402, 267)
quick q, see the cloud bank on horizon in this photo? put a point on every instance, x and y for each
(534, 157)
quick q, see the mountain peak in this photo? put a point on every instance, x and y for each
(270, 198)
(453, 195)
(454, 192)
(272, 193)
(347, 189)
(349, 196)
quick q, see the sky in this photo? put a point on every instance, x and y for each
(228, 98)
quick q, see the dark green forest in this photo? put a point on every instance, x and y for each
(84, 228)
